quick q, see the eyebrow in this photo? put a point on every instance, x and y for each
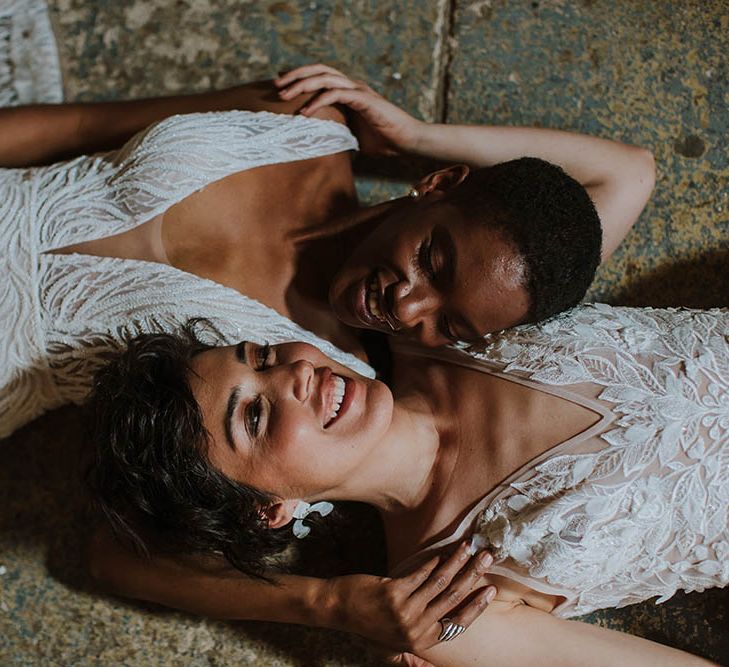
(229, 412)
(234, 398)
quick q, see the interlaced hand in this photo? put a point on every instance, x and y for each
(403, 613)
(381, 127)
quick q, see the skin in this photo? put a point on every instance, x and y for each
(401, 468)
(280, 399)
(439, 277)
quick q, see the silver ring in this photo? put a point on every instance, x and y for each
(449, 629)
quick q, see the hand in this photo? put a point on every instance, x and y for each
(381, 127)
(403, 614)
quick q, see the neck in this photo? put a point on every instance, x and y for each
(323, 250)
(399, 475)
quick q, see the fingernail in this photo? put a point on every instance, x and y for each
(475, 544)
(486, 559)
(490, 595)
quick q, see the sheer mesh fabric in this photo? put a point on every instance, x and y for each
(638, 505)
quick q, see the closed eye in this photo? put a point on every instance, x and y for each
(425, 258)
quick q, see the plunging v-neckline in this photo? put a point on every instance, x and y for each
(458, 358)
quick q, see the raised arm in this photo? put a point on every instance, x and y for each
(514, 635)
(45, 133)
(399, 614)
(618, 177)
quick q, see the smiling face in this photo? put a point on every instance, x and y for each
(432, 275)
(286, 419)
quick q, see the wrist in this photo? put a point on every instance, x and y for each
(323, 606)
(420, 137)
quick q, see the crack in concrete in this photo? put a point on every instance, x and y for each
(432, 103)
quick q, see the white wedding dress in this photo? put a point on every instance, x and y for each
(61, 313)
(636, 506)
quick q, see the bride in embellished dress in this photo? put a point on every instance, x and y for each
(590, 454)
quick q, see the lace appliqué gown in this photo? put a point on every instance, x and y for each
(637, 506)
(61, 313)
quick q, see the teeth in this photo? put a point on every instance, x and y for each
(372, 301)
(337, 396)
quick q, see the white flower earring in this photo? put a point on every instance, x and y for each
(302, 510)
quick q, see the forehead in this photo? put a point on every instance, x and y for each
(214, 373)
(488, 287)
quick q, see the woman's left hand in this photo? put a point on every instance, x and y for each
(381, 127)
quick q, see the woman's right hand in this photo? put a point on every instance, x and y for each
(381, 127)
(403, 614)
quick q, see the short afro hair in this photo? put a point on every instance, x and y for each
(550, 219)
(150, 474)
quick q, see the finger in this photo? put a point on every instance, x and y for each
(407, 660)
(469, 612)
(441, 577)
(303, 72)
(419, 576)
(471, 576)
(314, 83)
(354, 99)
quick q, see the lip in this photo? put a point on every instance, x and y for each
(327, 389)
(361, 309)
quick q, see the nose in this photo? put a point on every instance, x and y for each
(296, 378)
(415, 303)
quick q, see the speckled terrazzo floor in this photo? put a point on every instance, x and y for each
(651, 73)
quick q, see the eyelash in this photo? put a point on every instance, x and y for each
(253, 416)
(446, 330)
(262, 354)
(425, 258)
(254, 410)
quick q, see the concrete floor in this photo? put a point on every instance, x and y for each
(650, 73)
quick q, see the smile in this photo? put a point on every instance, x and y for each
(370, 307)
(337, 400)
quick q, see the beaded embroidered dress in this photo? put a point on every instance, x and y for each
(636, 506)
(61, 313)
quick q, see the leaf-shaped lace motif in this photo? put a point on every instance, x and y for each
(648, 513)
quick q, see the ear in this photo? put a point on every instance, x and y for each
(279, 513)
(443, 179)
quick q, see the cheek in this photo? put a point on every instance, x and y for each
(377, 416)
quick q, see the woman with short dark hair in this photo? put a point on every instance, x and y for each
(588, 453)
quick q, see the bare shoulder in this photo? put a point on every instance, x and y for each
(335, 113)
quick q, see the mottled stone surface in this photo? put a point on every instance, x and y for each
(650, 73)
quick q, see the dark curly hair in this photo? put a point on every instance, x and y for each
(151, 476)
(550, 219)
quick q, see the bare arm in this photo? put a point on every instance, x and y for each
(514, 635)
(619, 178)
(400, 614)
(42, 134)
